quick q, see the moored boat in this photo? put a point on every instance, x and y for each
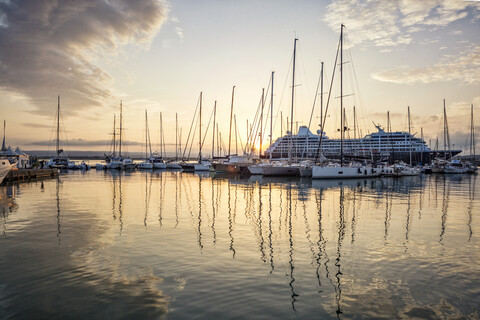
(5, 167)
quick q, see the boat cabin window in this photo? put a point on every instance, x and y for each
(340, 172)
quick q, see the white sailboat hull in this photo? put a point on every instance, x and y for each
(201, 167)
(255, 170)
(159, 165)
(319, 172)
(280, 171)
(145, 166)
(455, 170)
(173, 165)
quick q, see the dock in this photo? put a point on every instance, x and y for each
(29, 174)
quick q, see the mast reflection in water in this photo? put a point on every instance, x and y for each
(227, 247)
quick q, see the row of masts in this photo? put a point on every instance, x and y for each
(258, 124)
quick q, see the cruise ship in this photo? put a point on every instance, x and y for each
(378, 146)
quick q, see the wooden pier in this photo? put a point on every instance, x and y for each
(29, 174)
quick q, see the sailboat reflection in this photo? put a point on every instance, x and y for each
(270, 231)
(446, 194)
(57, 193)
(290, 241)
(341, 234)
(199, 229)
(471, 192)
(117, 202)
(230, 220)
(148, 191)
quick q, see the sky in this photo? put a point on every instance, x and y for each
(159, 55)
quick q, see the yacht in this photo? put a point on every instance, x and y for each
(234, 164)
(455, 166)
(157, 161)
(336, 171)
(59, 161)
(5, 167)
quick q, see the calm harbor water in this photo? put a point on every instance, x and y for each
(183, 246)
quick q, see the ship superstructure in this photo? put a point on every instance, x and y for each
(380, 145)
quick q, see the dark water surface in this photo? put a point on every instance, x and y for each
(183, 246)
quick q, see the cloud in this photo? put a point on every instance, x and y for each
(82, 143)
(392, 23)
(179, 32)
(464, 68)
(36, 125)
(50, 47)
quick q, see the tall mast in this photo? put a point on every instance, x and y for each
(200, 130)
(472, 134)
(293, 98)
(163, 151)
(271, 116)
(231, 114)
(341, 95)
(160, 144)
(121, 120)
(219, 144)
(180, 141)
(58, 127)
(236, 131)
(146, 135)
(444, 130)
(354, 124)
(261, 124)
(321, 101)
(423, 145)
(114, 135)
(149, 140)
(176, 136)
(213, 135)
(409, 136)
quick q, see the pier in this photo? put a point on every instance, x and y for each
(29, 174)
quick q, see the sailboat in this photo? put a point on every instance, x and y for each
(201, 165)
(175, 164)
(156, 159)
(452, 165)
(108, 156)
(235, 163)
(146, 165)
(340, 171)
(402, 169)
(472, 166)
(120, 162)
(283, 169)
(58, 161)
(306, 166)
